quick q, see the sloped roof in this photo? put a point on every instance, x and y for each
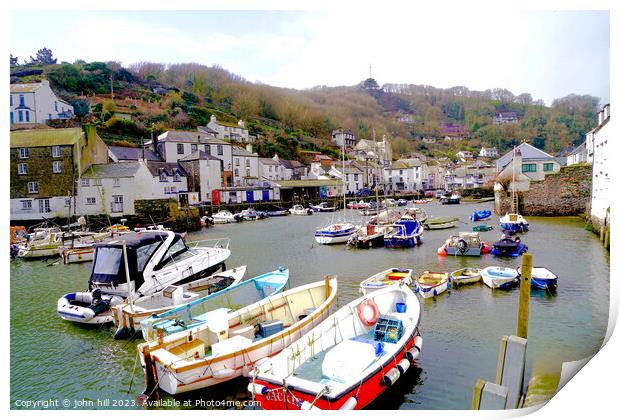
(198, 155)
(291, 164)
(25, 87)
(268, 161)
(133, 153)
(307, 183)
(205, 129)
(240, 151)
(112, 170)
(528, 153)
(45, 137)
(189, 137)
(169, 167)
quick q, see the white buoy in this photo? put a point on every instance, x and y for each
(257, 389)
(349, 404)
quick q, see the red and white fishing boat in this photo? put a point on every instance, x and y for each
(346, 361)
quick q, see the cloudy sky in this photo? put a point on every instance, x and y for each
(548, 54)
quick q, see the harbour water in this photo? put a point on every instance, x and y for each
(55, 359)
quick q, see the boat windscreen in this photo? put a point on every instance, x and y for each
(106, 269)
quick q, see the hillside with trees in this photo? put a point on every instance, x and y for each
(132, 103)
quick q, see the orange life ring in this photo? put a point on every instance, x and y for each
(363, 314)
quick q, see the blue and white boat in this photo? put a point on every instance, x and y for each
(323, 207)
(508, 247)
(336, 233)
(543, 278)
(500, 277)
(480, 215)
(514, 222)
(404, 234)
(201, 310)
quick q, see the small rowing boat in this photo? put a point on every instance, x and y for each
(127, 316)
(445, 222)
(482, 228)
(348, 360)
(500, 277)
(431, 284)
(389, 277)
(543, 278)
(229, 344)
(465, 276)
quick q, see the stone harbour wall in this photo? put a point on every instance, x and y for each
(564, 193)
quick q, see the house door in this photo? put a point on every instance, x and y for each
(265, 195)
(249, 196)
(183, 200)
(117, 204)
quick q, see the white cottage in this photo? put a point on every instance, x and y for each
(36, 103)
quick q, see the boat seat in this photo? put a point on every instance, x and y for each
(188, 350)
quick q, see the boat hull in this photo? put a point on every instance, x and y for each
(515, 227)
(513, 252)
(330, 237)
(369, 389)
(371, 241)
(431, 291)
(436, 226)
(77, 255)
(500, 278)
(77, 307)
(36, 252)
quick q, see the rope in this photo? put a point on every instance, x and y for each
(135, 362)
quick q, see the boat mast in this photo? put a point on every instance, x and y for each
(514, 156)
(344, 187)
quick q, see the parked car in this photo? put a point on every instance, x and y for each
(364, 192)
(428, 193)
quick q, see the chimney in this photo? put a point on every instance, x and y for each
(606, 112)
(241, 124)
(517, 161)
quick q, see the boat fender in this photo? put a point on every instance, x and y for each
(391, 377)
(434, 292)
(349, 404)
(223, 373)
(442, 251)
(412, 355)
(257, 389)
(308, 406)
(368, 312)
(403, 365)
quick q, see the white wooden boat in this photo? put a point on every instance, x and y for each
(228, 345)
(389, 277)
(542, 278)
(465, 276)
(41, 243)
(76, 254)
(336, 233)
(430, 284)
(127, 317)
(441, 223)
(500, 277)
(299, 210)
(348, 360)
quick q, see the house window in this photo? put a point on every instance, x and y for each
(91, 200)
(67, 202)
(11, 99)
(163, 177)
(194, 148)
(56, 151)
(117, 182)
(56, 106)
(33, 187)
(44, 206)
(20, 116)
(355, 177)
(27, 116)
(548, 167)
(12, 119)
(207, 149)
(26, 205)
(247, 163)
(236, 161)
(22, 168)
(170, 190)
(85, 182)
(220, 150)
(21, 100)
(49, 116)
(97, 182)
(236, 172)
(56, 167)
(180, 149)
(247, 172)
(23, 153)
(117, 204)
(528, 167)
(176, 177)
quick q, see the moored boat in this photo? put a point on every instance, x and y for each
(480, 215)
(482, 228)
(415, 213)
(348, 360)
(499, 277)
(336, 233)
(423, 201)
(514, 222)
(508, 247)
(127, 316)
(445, 222)
(430, 284)
(87, 307)
(453, 198)
(465, 244)
(199, 311)
(389, 277)
(78, 254)
(465, 276)
(275, 211)
(299, 210)
(229, 344)
(225, 216)
(323, 207)
(369, 236)
(543, 278)
(404, 234)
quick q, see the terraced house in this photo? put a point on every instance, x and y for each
(36, 103)
(45, 168)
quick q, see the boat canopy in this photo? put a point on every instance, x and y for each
(108, 263)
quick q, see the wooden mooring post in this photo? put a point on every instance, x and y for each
(524, 295)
